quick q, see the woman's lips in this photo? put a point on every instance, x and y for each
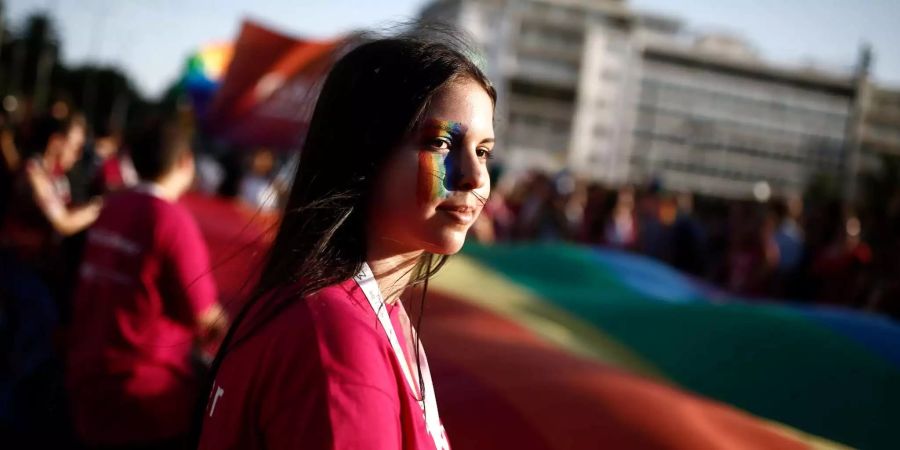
(461, 214)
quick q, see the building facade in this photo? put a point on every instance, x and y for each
(619, 97)
(721, 125)
(880, 128)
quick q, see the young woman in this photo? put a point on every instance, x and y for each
(392, 175)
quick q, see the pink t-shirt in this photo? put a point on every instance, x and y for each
(320, 375)
(144, 281)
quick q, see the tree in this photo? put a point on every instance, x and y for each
(31, 70)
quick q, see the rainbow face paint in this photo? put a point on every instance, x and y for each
(442, 129)
(435, 165)
(432, 176)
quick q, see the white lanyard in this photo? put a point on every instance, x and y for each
(366, 281)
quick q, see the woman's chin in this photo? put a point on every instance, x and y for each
(447, 243)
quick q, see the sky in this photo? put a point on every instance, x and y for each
(151, 39)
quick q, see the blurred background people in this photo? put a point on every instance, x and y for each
(145, 303)
(40, 212)
(113, 169)
(34, 274)
(259, 189)
(621, 229)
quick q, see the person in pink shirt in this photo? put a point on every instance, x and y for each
(144, 302)
(392, 174)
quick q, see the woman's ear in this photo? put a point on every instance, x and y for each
(186, 159)
(186, 165)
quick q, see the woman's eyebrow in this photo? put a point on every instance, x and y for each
(450, 127)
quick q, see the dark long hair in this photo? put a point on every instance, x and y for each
(373, 97)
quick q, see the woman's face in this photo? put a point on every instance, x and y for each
(435, 184)
(71, 151)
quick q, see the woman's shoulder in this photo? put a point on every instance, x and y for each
(333, 332)
(337, 319)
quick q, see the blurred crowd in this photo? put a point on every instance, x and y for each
(795, 249)
(803, 249)
(108, 310)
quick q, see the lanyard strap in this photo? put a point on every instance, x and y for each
(366, 281)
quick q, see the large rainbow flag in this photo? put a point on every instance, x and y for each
(259, 89)
(267, 92)
(555, 346)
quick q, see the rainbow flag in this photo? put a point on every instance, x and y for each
(555, 346)
(574, 347)
(203, 74)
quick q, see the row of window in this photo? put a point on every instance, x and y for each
(688, 129)
(651, 113)
(526, 137)
(741, 107)
(823, 155)
(550, 36)
(555, 70)
(768, 97)
(539, 123)
(821, 99)
(725, 173)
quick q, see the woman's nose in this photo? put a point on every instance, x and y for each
(468, 171)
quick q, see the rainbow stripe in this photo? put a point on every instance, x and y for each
(443, 128)
(432, 176)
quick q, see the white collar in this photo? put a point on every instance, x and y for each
(151, 188)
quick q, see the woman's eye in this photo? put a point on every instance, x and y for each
(440, 143)
(484, 153)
